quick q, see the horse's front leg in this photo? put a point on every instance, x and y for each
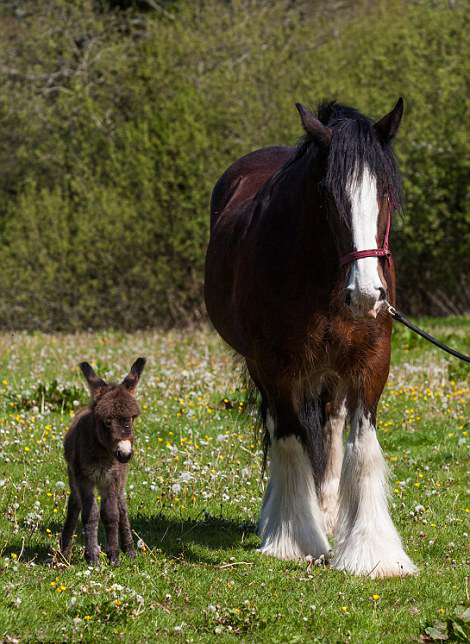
(291, 522)
(367, 542)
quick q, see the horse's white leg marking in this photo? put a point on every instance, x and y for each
(364, 283)
(291, 522)
(330, 487)
(367, 542)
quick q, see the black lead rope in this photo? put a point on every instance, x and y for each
(396, 315)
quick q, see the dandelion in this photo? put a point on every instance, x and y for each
(376, 597)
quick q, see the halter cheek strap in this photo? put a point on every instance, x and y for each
(373, 252)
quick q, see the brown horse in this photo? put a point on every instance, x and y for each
(315, 332)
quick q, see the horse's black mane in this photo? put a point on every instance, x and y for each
(354, 147)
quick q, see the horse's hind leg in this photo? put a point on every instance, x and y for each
(367, 542)
(291, 522)
(333, 446)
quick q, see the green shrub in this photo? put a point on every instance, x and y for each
(116, 124)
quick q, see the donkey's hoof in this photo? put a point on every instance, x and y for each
(114, 560)
(130, 553)
(92, 560)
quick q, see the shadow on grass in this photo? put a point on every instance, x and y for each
(185, 539)
(177, 538)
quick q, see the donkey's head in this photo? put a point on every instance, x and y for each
(360, 181)
(115, 409)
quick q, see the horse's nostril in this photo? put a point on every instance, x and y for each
(382, 294)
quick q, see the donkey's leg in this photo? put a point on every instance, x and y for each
(291, 522)
(110, 516)
(90, 521)
(73, 510)
(367, 542)
(333, 446)
(125, 534)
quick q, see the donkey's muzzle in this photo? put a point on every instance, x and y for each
(123, 456)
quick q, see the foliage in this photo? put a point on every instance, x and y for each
(117, 123)
(455, 629)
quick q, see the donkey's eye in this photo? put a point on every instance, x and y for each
(108, 422)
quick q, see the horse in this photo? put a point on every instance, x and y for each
(298, 275)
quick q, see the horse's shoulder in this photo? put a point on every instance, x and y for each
(244, 177)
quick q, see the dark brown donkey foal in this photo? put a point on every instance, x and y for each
(97, 447)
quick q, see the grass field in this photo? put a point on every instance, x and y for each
(194, 494)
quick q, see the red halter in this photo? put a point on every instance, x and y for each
(374, 252)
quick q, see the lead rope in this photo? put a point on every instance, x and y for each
(396, 315)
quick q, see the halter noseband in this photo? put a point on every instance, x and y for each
(374, 252)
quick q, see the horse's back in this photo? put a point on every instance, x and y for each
(231, 211)
(244, 178)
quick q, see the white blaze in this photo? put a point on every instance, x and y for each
(364, 283)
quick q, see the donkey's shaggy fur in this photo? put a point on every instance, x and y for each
(97, 447)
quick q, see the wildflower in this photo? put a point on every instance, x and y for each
(376, 597)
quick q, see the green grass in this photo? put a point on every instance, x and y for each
(194, 495)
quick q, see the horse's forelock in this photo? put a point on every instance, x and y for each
(354, 149)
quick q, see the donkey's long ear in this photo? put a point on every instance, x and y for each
(131, 381)
(96, 384)
(388, 125)
(319, 132)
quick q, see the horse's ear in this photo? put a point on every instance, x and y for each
(388, 125)
(131, 381)
(96, 384)
(319, 132)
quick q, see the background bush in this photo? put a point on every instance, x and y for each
(116, 119)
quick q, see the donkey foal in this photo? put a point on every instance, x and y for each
(97, 447)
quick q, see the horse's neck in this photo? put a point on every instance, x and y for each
(300, 217)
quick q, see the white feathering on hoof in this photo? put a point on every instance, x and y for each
(291, 522)
(367, 542)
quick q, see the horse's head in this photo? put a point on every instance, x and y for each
(359, 179)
